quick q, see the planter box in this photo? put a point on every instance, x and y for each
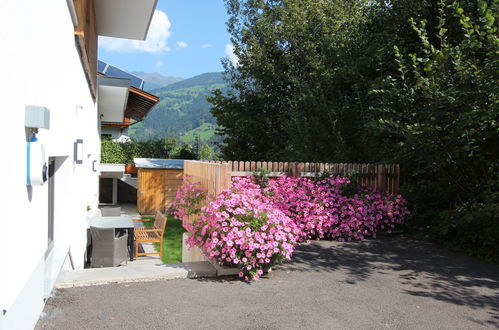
(223, 270)
(191, 254)
(130, 169)
(195, 254)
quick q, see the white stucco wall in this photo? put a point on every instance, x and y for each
(115, 132)
(40, 65)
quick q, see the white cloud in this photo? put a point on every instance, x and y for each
(182, 44)
(156, 41)
(159, 64)
(229, 53)
(204, 46)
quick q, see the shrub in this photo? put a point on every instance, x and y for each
(240, 229)
(252, 226)
(322, 210)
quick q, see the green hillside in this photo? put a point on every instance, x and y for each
(206, 132)
(205, 79)
(182, 112)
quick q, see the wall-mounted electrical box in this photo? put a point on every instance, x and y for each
(36, 116)
(36, 164)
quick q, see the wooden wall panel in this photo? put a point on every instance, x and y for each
(157, 189)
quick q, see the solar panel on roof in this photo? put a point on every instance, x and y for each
(113, 71)
(101, 66)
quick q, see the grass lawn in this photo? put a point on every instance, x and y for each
(172, 240)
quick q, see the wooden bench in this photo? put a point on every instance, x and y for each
(150, 235)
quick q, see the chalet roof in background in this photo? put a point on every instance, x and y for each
(139, 102)
(157, 163)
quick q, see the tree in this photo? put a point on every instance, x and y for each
(186, 152)
(410, 82)
(300, 90)
(205, 152)
(443, 106)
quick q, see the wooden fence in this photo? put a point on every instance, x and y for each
(385, 177)
(214, 177)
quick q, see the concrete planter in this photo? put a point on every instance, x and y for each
(224, 270)
(195, 254)
(191, 254)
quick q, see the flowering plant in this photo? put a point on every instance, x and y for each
(390, 209)
(240, 229)
(252, 226)
(188, 198)
(321, 209)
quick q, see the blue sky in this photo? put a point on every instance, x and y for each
(186, 38)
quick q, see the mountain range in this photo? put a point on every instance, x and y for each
(155, 80)
(183, 111)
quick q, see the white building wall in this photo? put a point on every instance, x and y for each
(40, 65)
(115, 132)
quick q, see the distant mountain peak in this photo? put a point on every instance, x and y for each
(205, 79)
(155, 80)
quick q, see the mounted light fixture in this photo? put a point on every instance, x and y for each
(95, 166)
(78, 151)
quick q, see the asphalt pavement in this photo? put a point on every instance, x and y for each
(387, 283)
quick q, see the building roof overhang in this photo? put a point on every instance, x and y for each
(113, 96)
(129, 19)
(140, 103)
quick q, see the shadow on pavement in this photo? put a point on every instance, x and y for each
(421, 268)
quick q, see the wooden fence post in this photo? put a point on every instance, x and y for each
(381, 184)
(294, 169)
(299, 169)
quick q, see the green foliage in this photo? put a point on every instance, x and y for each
(300, 92)
(186, 152)
(452, 98)
(261, 177)
(205, 132)
(472, 227)
(323, 175)
(206, 152)
(352, 188)
(402, 81)
(182, 112)
(112, 153)
(443, 106)
(124, 153)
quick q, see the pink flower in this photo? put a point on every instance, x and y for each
(288, 211)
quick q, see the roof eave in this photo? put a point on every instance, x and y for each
(128, 19)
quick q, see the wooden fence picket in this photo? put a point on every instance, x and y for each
(385, 177)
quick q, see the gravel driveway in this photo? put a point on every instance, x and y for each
(387, 283)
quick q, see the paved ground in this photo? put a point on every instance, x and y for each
(388, 283)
